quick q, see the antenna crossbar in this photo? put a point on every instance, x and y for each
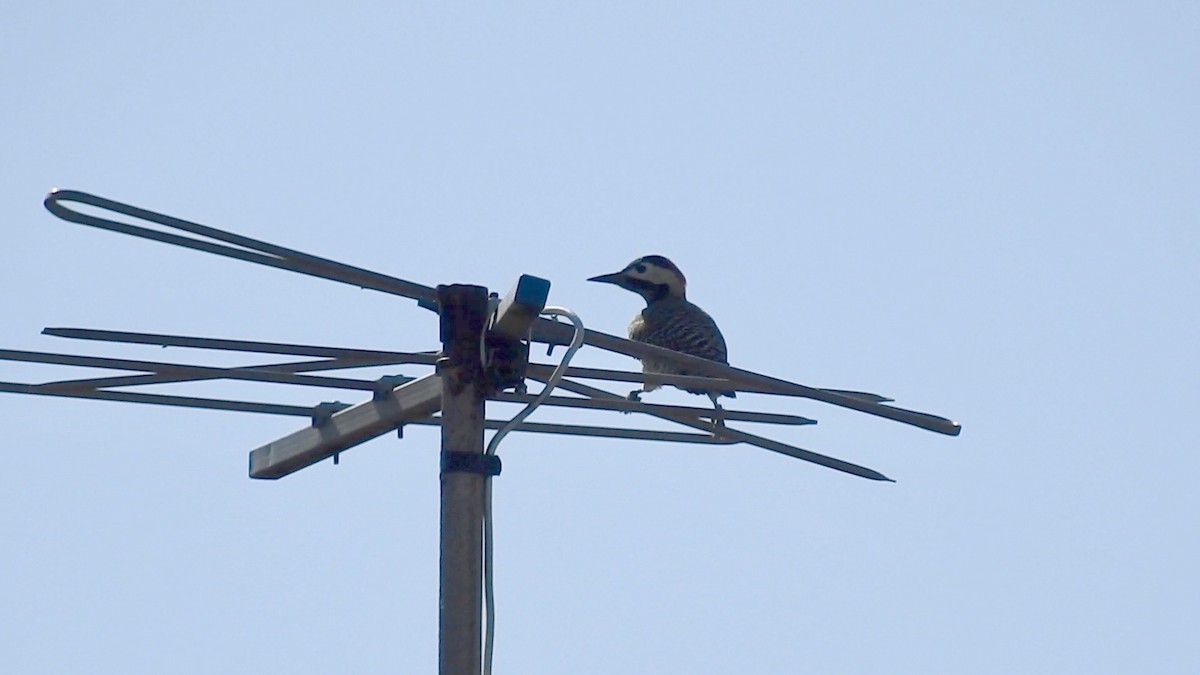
(179, 370)
(733, 434)
(385, 357)
(379, 356)
(594, 431)
(161, 378)
(625, 405)
(163, 399)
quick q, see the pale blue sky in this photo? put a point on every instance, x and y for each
(985, 212)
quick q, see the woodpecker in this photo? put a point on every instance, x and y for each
(669, 320)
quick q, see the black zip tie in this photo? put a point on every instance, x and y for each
(470, 462)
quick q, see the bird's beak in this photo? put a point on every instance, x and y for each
(614, 278)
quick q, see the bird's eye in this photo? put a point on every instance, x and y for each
(641, 269)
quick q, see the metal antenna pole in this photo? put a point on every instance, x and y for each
(463, 315)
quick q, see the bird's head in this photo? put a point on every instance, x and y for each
(653, 277)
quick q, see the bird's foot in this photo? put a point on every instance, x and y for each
(718, 417)
(635, 395)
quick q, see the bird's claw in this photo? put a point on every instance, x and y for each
(718, 417)
(635, 395)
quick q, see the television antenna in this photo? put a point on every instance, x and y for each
(484, 353)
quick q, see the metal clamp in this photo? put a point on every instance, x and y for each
(470, 462)
(323, 412)
(384, 386)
